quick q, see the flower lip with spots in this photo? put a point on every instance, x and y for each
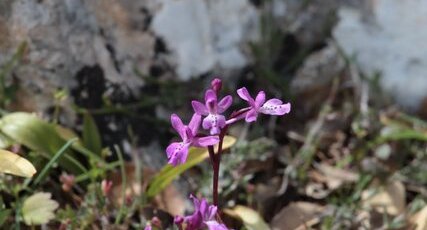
(177, 152)
(212, 109)
(259, 105)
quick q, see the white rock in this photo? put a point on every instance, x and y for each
(206, 33)
(389, 38)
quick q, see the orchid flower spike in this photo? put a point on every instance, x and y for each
(212, 109)
(177, 152)
(202, 217)
(259, 105)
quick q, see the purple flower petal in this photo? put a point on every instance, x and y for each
(275, 107)
(205, 141)
(203, 216)
(214, 122)
(194, 124)
(214, 225)
(199, 108)
(212, 106)
(210, 95)
(170, 150)
(225, 103)
(177, 153)
(178, 126)
(251, 115)
(260, 99)
(210, 213)
(244, 94)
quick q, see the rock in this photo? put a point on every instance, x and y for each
(313, 80)
(318, 70)
(388, 37)
(205, 34)
(65, 37)
(186, 38)
(311, 22)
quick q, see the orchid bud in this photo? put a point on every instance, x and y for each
(216, 84)
(106, 186)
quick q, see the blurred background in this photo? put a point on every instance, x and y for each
(354, 71)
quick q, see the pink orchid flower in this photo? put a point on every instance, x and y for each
(259, 105)
(177, 152)
(212, 109)
(202, 217)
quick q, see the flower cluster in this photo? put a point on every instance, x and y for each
(212, 110)
(204, 216)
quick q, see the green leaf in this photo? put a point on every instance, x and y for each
(39, 209)
(91, 136)
(251, 219)
(169, 172)
(40, 136)
(12, 163)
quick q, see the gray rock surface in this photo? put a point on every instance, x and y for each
(388, 37)
(206, 34)
(70, 38)
(65, 36)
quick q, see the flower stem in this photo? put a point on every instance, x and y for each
(216, 161)
(215, 167)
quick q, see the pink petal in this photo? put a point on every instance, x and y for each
(196, 202)
(205, 141)
(195, 123)
(177, 154)
(210, 95)
(210, 214)
(225, 103)
(212, 106)
(275, 107)
(244, 94)
(199, 108)
(251, 115)
(274, 101)
(203, 208)
(214, 122)
(260, 99)
(170, 150)
(178, 125)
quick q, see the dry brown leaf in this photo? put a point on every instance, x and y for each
(420, 219)
(336, 176)
(390, 198)
(297, 215)
(171, 200)
(332, 177)
(250, 218)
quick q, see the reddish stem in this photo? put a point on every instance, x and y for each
(215, 167)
